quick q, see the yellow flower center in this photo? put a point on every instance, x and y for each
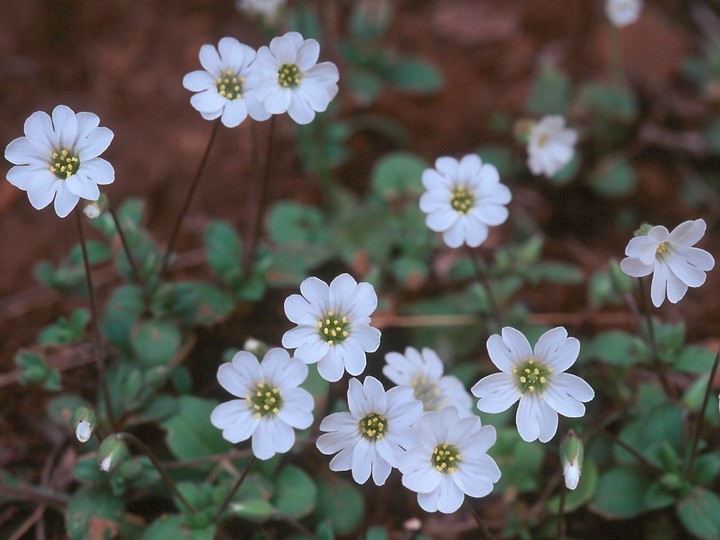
(266, 400)
(230, 85)
(662, 248)
(64, 163)
(289, 76)
(333, 328)
(532, 376)
(445, 458)
(462, 199)
(373, 427)
(427, 392)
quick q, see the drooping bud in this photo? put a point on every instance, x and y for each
(112, 452)
(255, 346)
(94, 209)
(571, 457)
(84, 420)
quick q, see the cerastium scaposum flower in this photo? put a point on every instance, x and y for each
(550, 145)
(333, 325)
(670, 257)
(449, 461)
(222, 86)
(463, 199)
(371, 437)
(536, 378)
(288, 78)
(58, 158)
(270, 401)
(423, 372)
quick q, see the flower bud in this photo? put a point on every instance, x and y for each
(643, 230)
(571, 457)
(255, 346)
(112, 452)
(94, 209)
(84, 421)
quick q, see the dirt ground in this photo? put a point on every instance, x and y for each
(125, 62)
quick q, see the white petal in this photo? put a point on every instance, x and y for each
(331, 367)
(197, 81)
(659, 284)
(66, 125)
(42, 189)
(362, 461)
(210, 60)
(79, 184)
(497, 392)
(455, 235)
(450, 497)
(442, 219)
(208, 101)
(380, 470)
(99, 171)
(688, 233)
(635, 268)
(556, 350)
(314, 350)
(508, 349)
(234, 113)
(307, 55)
(94, 144)
(316, 292)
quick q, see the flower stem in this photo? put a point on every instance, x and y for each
(652, 341)
(615, 439)
(131, 259)
(481, 273)
(561, 511)
(234, 489)
(259, 210)
(482, 527)
(696, 435)
(132, 439)
(188, 200)
(97, 353)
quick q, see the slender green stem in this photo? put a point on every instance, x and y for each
(617, 73)
(482, 527)
(38, 495)
(696, 435)
(561, 511)
(480, 269)
(259, 210)
(615, 439)
(131, 259)
(96, 341)
(188, 199)
(234, 489)
(652, 341)
(145, 449)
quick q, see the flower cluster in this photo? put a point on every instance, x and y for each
(237, 82)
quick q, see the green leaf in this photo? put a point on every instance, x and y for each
(414, 75)
(658, 496)
(410, 272)
(66, 331)
(369, 20)
(707, 469)
(582, 494)
(199, 303)
(694, 359)
(550, 90)
(614, 177)
(121, 313)
(608, 102)
(290, 222)
(616, 348)
(341, 503)
(224, 252)
(256, 510)
(620, 493)
(519, 461)
(398, 174)
(156, 341)
(377, 533)
(173, 527)
(699, 512)
(295, 492)
(555, 272)
(94, 514)
(189, 433)
(61, 409)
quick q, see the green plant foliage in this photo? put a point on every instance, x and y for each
(340, 503)
(34, 369)
(613, 177)
(616, 348)
(581, 495)
(189, 433)
(66, 330)
(398, 175)
(295, 492)
(699, 512)
(173, 527)
(94, 513)
(620, 493)
(155, 341)
(198, 303)
(550, 90)
(519, 461)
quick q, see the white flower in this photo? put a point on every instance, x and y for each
(536, 378)
(371, 437)
(265, 9)
(223, 87)
(550, 145)
(287, 78)
(270, 404)
(462, 199)
(450, 460)
(423, 372)
(670, 257)
(623, 12)
(333, 325)
(58, 158)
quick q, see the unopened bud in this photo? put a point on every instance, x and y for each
(84, 420)
(112, 452)
(255, 346)
(643, 230)
(94, 209)
(571, 457)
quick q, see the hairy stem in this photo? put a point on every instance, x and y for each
(234, 489)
